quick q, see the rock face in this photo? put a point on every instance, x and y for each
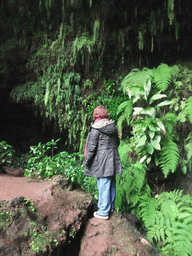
(43, 227)
(115, 237)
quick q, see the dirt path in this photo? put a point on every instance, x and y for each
(11, 186)
(67, 210)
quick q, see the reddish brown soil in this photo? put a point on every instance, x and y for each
(11, 186)
(64, 209)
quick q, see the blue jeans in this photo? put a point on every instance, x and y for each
(107, 193)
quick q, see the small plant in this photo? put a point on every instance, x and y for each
(29, 204)
(39, 163)
(40, 238)
(72, 232)
(4, 216)
(6, 153)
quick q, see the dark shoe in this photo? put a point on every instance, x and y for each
(104, 217)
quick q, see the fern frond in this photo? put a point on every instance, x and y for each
(169, 156)
(182, 116)
(135, 81)
(128, 111)
(172, 223)
(124, 149)
(147, 211)
(189, 108)
(172, 195)
(122, 106)
(120, 122)
(127, 107)
(162, 76)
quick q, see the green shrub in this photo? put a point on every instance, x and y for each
(41, 164)
(7, 153)
(155, 125)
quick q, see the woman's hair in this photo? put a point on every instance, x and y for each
(100, 112)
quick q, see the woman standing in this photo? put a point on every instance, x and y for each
(102, 160)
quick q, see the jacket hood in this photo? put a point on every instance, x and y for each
(105, 126)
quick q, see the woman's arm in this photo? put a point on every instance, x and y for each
(91, 147)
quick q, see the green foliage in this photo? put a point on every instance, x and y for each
(60, 89)
(167, 217)
(39, 162)
(43, 163)
(188, 146)
(126, 107)
(163, 76)
(41, 238)
(130, 186)
(7, 153)
(110, 96)
(29, 204)
(169, 156)
(189, 108)
(169, 222)
(4, 217)
(142, 112)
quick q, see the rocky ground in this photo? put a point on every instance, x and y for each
(53, 217)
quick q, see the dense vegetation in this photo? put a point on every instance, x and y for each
(81, 54)
(154, 126)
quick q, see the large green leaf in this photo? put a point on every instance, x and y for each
(142, 141)
(150, 149)
(151, 134)
(152, 127)
(164, 103)
(148, 111)
(156, 142)
(156, 97)
(161, 125)
(137, 111)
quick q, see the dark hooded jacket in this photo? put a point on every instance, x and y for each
(102, 158)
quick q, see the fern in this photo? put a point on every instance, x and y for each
(189, 108)
(124, 149)
(132, 183)
(126, 107)
(169, 220)
(162, 76)
(188, 146)
(147, 206)
(136, 83)
(168, 157)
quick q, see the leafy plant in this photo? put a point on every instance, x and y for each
(29, 204)
(144, 89)
(166, 217)
(168, 221)
(40, 237)
(39, 162)
(130, 187)
(7, 153)
(70, 165)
